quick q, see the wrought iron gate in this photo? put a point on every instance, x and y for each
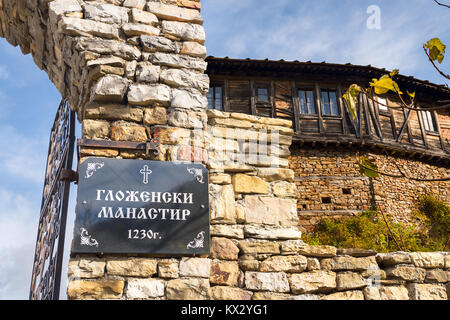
(46, 277)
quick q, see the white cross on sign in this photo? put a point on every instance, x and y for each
(145, 171)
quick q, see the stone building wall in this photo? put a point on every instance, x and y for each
(329, 184)
(134, 70)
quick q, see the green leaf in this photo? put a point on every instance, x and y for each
(368, 168)
(385, 84)
(436, 49)
(351, 97)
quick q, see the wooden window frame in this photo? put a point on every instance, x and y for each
(214, 86)
(307, 115)
(425, 120)
(329, 89)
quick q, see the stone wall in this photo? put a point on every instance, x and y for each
(134, 70)
(265, 270)
(329, 184)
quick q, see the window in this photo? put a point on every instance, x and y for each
(429, 121)
(382, 104)
(329, 103)
(307, 105)
(262, 94)
(215, 98)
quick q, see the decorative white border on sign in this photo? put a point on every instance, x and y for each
(198, 173)
(86, 239)
(198, 242)
(93, 167)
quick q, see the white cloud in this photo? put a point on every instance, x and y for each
(3, 73)
(22, 156)
(18, 226)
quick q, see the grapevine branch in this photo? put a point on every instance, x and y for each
(434, 64)
(442, 4)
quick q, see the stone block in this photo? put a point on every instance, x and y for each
(145, 288)
(99, 289)
(224, 273)
(271, 233)
(228, 231)
(270, 211)
(390, 259)
(425, 291)
(171, 136)
(168, 269)
(155, 116)
(142, 94)
(355, 252)
(408, 273)
(173, 12)
(113, 112)
(284, 263)
(157, 44)
(105, 12)
(193, 49)
(438, 275)
(188, 289)
(249, 184)
(195, 267)
(386, 293)
(311, 282)
(110, 88)
(108, 47)
(131, 267)
(82, 27)
(148, 73)
(284, 189)
(273, 281)
(95, 129)
(185, 78)
(188, 99)
(86, 268)
(222, 204)
(184, 31)
(347, 295)
(317, 251)
(259, 247)
(220, 178)
(349, 281)
(428, 259)
(128, 133)
(230, 293)
(223, 248)
(343, 263)
(143, 17)
(138, 29)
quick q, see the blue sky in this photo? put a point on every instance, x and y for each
(326, 30)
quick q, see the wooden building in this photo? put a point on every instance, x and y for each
(327, 138)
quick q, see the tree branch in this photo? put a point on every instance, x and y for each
(407, 107)
(402, 175)
(434, 64)
(442, 4)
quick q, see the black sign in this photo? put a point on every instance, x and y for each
(136, 206)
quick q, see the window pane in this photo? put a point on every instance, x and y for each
(210, 96)
(333, 104)
(310, 102)
(382, 104)
(303, 103)
(325, 103)
(263, 94)
(429, 122)
(218, 98)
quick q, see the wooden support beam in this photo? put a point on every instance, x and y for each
(319, 107)
(404, 125)
(295, 106)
